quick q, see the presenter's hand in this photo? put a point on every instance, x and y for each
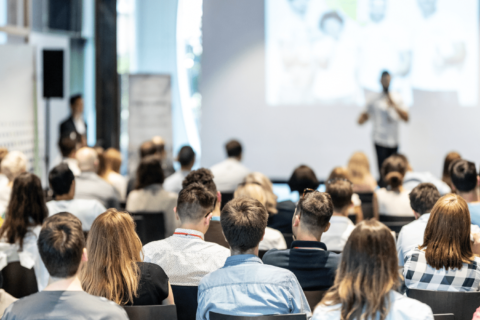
(363, 118)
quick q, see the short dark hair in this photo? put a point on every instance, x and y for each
(194, 202)
(67, 145)
(330, 15)
(147, 148)
(464, 175)
(243, 222)
(385, 73)
(60, 244)
(315, 210)
(393, 170)
(302, 178)
(341, 192)
(149, 172)
(61, 179)
(74, 98)
(423, 197)
(186, 155)
(234, 148)
(203, 176)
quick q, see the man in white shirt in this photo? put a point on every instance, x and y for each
(62, 182)
(186, 157)
(229, 173)
(386, 112)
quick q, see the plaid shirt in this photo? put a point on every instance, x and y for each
(419, 275)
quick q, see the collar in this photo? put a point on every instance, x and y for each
(215, 218)
(312, 245)
(241, 259)
(424, 217)
(188, 233)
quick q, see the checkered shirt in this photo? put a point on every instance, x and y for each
(419, 275)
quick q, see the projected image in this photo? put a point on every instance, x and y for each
(333, 51)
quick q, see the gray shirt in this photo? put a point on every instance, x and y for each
(89, 185)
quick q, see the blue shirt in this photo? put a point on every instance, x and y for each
(411, 236)
(247, 287)
(474, 209)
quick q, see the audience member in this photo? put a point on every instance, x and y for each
(359, 170)
(229, 173)
(308, 258)
(150, 196)
(5, 298)
(75, 127)
(3, 177)
(68, 149)
(185, 256)
(343, 174)
(445, 261)
(465, 180)
(393, 200)
(245, 286)
(263, 181)
(272, 239)
(186, 157)
(62, 183)
(89, 185)
(340, 190)
(19, 233)
(62, 247)
(451, 157)
(111, 173)
(367, 279)
(14, 164)
(126, 281)
(161, 152)
(147, 148)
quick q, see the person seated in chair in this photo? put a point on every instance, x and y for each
(230, 172)
(465, 181)
(186, 157)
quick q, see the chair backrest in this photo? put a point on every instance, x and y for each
(215, 234)
(18, 280)
(367, 204)
(288, 239)
(396, 223)
(219, 316)
(186, 302)
(226, 196)
(261, 253)
(446, 316)
(462, 304)
(155, 312)
(314, 297)
(150, 226)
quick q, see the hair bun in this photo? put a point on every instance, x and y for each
(394, 179)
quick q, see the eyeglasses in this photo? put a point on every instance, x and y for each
(338, 179)
(307, 191)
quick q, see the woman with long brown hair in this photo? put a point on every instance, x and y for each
(115, 269)
(366, 280)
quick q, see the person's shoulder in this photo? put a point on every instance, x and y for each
(152, 269)
(409, 308)
(275, 256)
(109, 309)
(324, 312)
(154, 245)
(217, 249)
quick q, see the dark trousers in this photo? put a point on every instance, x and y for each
(382, 154)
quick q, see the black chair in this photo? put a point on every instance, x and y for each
(226, 197)
(314, 297)
(261, 253)
(288, 239)
(462, 304)
(156, 312)
(150, 226)
(396, 223)
(367, 204)
(219, 316)
(186, 302)
(18, 280)
(447, 316)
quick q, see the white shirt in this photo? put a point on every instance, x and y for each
(174, 182)
(29, 257)
(385, 119)
(413, 179)
(73, 166)
(273, 239)
(228, 174)
(186, 257)
(5, 193)
(392, 203)
(120, 183)
(336, 237)
(3, 180)
(85, 210)
(79, 125)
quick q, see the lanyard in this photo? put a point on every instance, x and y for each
(188, 234)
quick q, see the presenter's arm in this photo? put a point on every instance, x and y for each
(403, 114)
(363, 118)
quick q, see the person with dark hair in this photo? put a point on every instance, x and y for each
(449, 159)
(61, 244)
(229, 173)
(186, 157)
(23, 221)
(303, 178)
(68, 149)
(245, 286)
(112, 160)
(62, 183)
(465, 181)
(308, 257)
(75, 127)
(149, 194)
(186, 257)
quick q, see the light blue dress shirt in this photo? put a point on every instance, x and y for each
(247, 287)
(411, 236)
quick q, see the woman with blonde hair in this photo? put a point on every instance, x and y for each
(367, 279)
(266, 184)
(115, 270)
(112, 161)
(359, 171)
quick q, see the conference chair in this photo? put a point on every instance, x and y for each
(226, 197)
(261, 253)
(186, 301)
(462, 304)
(150, 226)
(219, 316)
(447, 316)
(396, 223)
(215, 234)
(155, 312)
(314, 297)
(367, 204)
(18, 280)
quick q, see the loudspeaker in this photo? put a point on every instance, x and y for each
(53, 73)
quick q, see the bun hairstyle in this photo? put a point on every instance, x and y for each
(393, 171)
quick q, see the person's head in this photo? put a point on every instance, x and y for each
(331, 23)
(234, 149)
(159, 144)
(113, 250)
(147, 149)
(303, 178)
(243, 222)
(61, 245)
(267, 186)
(339, 173)
(67, 146)
(340, 190)
(423, 197)
(113, 160)
(358, 167)
(62, 181)
(149, 172)
(203, 176)
(186, 157)
(449, 159)
(427, 7)
(464, 176)
(393, 171)
(312, 215)
(251, 190)
(3, 153)
(26, 208)
(378, 9)
(385, 79)
(195, 205)
(368, 271)
(76, 104)
(14, 163)
(87, 159)
(447, 235)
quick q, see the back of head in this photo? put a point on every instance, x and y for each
(74, 98)
(14, 163)
(340, 190)
(186, 156)
(61, 179)
(195, 202)
(112, 236)
(60, 244)
(339, 173)
(303, 178)
(67, 146)
(149, 172)
(368, 271)
(449, 159)
(393, 170)
(251, 190)
(113, 160)
(267, 186)
(447, 235)
(423, 197)
(464, 175)
(87, 159)
(147, 149)
(243, 222)
(315, 210)
(203, 176)
(233, 148)
(358, 166)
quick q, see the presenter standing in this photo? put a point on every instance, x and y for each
(386, 111)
